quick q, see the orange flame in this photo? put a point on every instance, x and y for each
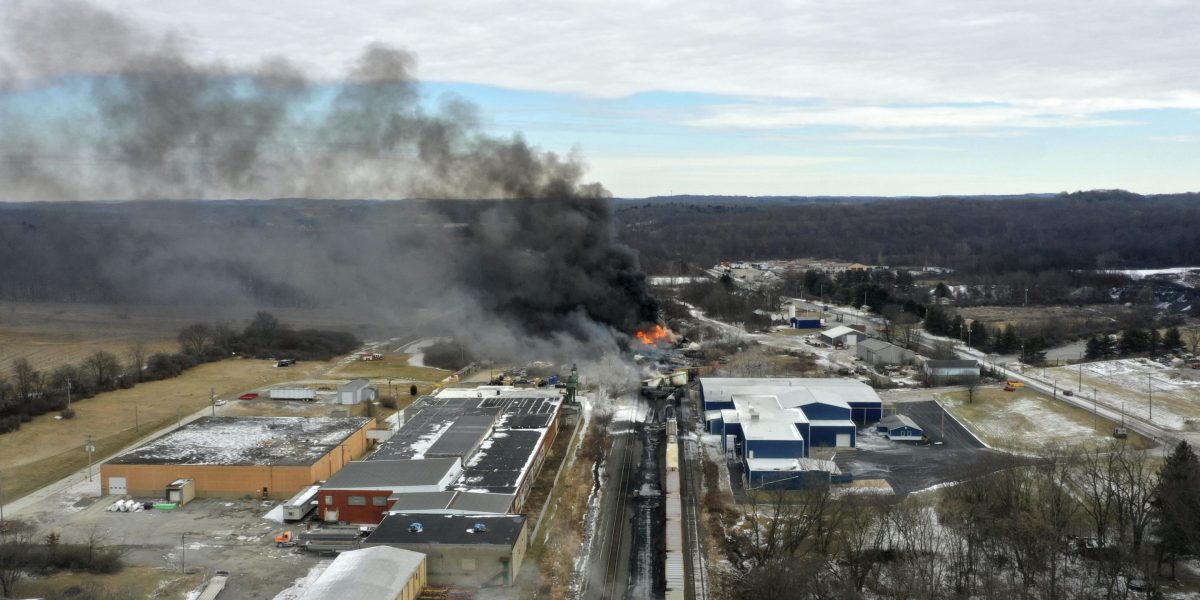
(652, 337)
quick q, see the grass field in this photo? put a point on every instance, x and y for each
(1025, 420)
(46, 449)
(1125, 384)
(393, 366)
(131, 582)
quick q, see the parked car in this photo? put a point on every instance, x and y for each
(250, 396)
(1068, 393)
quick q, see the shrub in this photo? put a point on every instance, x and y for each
(67, 413)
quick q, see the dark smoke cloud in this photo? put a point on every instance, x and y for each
(148, 121)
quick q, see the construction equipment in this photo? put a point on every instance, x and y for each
(285, 540)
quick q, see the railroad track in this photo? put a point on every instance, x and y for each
(692, 516)
(614, 586)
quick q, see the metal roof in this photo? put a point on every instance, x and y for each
(447, 529)
(951, 364)
(762, 418)
(383, 474)
(839, 331)
(849, 391)
(894, 421)
(379, 573)
(354, 385)
(875, 345)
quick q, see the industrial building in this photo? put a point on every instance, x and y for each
(355, 391)
(377, 573)
(901, 428)
(772, 424)
(878, 353)
(943, 372)
(462, 451)
(238, 456)
(460, 550)
(362, 491)
(843, 335)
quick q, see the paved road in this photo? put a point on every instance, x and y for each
(909, 467)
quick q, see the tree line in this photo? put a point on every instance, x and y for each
(26, 392)
(1073, 523)
(1103, 229)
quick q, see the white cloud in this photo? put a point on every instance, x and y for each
(760, 116)
(866, 51)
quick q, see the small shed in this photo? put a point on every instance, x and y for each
(355, 392)
(847, 336)
(900, 428)
(181, 491)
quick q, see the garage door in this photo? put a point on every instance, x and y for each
(117, 486)
(843, 440)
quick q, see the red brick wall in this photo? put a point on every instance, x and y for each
(359, 515)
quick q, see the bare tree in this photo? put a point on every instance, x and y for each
(137, 359)
(103, 367)
(195, 339)
(16, 543)
(28, 383)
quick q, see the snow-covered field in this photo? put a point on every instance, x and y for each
(1131, 384)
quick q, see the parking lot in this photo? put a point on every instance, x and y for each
(203, 536)
(909, 467)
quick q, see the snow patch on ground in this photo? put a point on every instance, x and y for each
(297, 588)
(275, 514)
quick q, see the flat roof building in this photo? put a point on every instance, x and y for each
(460, 550)
(235, 456)
(497, 438)
(377, 573)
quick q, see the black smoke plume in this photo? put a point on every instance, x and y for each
(527, 251)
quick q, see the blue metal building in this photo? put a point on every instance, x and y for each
(771, 424)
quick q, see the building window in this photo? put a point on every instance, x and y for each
(356, 500)
(328, 500)
(378, 500)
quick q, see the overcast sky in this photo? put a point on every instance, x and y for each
(851, 97)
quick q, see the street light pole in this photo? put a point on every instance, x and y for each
(212, 400)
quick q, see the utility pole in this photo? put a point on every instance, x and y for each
(1081, 372)
(1150, 393)
(212, 400)
(135, 419)
(1095, 419)
(68, 393)
(183, 553)
(1, 501)
(89, 446)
